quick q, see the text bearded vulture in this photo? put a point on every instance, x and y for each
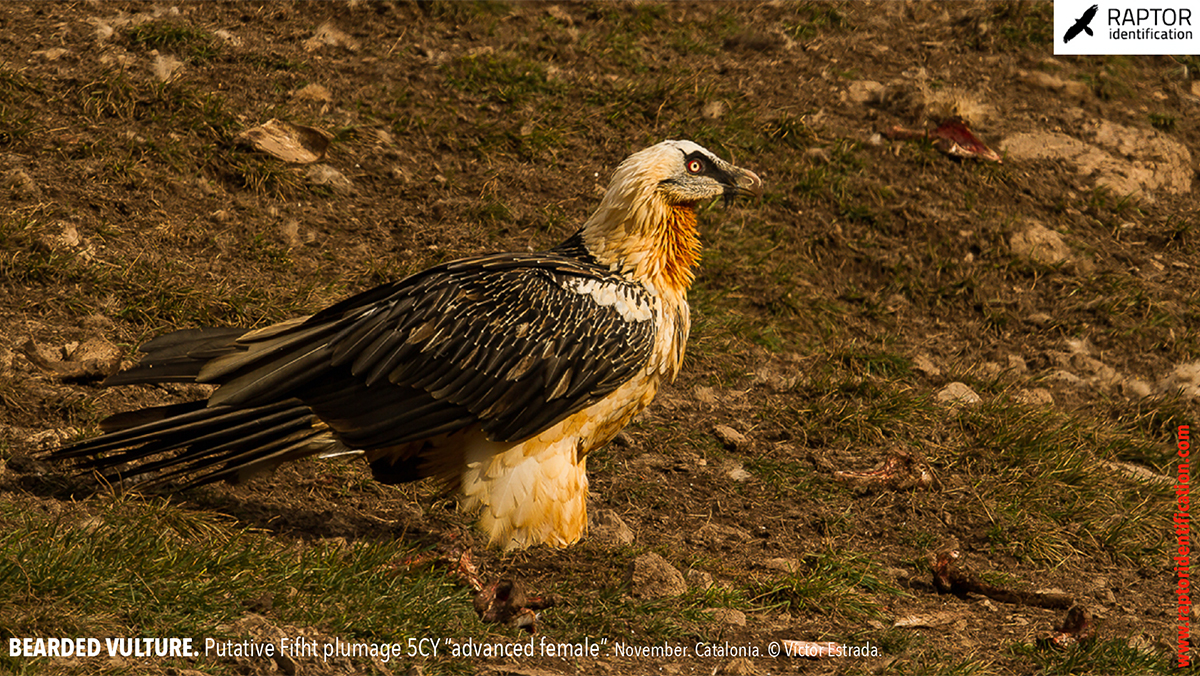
(496, 374)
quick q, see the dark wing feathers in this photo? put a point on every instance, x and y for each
(505, 342)
(500, 340)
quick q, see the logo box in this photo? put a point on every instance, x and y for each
(1127, 27)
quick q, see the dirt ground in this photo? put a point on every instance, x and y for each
(831, 319)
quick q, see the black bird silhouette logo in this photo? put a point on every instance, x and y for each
(1081, 24)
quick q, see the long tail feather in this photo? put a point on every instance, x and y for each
(191, 444)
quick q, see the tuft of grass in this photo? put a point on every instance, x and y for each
(1024, 24)
(490, 210)
(839, 584)
(786, 477)
(197, 45)
(1162, 121)
(611, 612)
(500, 78)
(816, 18)
(1115, 656)
(135, 105)
(17, 119)
(789, 129)
(258, 173)
(1048, 496)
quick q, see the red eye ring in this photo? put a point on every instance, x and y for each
(695, 166)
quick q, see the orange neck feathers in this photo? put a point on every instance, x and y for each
(678, 248)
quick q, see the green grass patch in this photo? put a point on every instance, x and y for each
(1114, 656)
(837, 584)
(500, 77)
(194, 44)
(1048, 495)
(130, 567)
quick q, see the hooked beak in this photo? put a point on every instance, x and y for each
(742, 182)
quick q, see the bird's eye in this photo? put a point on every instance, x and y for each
(695, 166)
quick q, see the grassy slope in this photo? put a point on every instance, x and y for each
(490, 124)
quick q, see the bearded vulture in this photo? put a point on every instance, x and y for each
(496, 374)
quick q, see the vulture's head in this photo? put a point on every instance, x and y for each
(682, 173)
(646, 223)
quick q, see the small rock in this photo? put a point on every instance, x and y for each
(731, 438)
(1035, 396)
(714, 109)
(650, 577)
(52, 54)
(778, 378)
(1135, 388)
(959, 394)
(98, 353)
(928, 620)
(821, 155)
(735, 471)
(727, 616)
(290, 230)
(1040, 319)
(1071, 88)
(1017, 364)
(1067, 378)
(41, 355)
(720, 534)
(328, 35)
(1040, 244)
(166, 67)
(861, 92)
(323, 174)
(94, 358)
(739, 666)
(782, 565)
(698, 579)
(70, 235)
(1184, 379)
(313, 92)
(286, 141)
(990, 369)
(384, 138)
(651, 461)
(20, 184)
(1138, 472)
(923, 364)
(228, 38)
(610, 527)
(705, 395)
